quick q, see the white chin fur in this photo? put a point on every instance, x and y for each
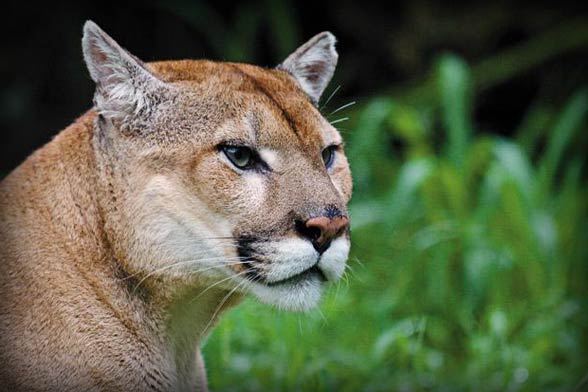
(289, 258)
(297, 296)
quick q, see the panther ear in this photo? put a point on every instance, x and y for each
(124, 85)
(313, 64)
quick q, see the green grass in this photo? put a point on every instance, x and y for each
(469, 260)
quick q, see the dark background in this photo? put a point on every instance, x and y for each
(45, 86)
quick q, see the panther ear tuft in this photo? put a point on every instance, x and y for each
(313, 64)
(122, 80)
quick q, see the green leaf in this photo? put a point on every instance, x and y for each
(516, 165)
(562, 135)
(367, 148)
(455, 86)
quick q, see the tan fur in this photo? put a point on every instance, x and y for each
(88, 222)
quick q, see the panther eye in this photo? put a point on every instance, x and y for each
(241, 157)
(329, 156)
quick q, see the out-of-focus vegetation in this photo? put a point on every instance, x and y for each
(468, 266)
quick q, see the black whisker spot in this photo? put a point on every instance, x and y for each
(247, 253)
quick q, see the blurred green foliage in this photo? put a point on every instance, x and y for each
(468, 266)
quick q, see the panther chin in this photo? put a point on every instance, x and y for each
(294, 277)
(299, 293)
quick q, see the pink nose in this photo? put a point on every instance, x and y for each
(322, 230)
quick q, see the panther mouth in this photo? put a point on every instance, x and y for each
(283, 264)
(254, 275)
(304, 275)
(288, 272)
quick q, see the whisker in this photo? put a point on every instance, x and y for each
(339, 120)
(342, 107)
(159, 270)
(299, 325)
(350, 268)
(320, 312)
(356, 259)
(218, 238)
(220, 305)
(329, 98)
(354, 273)
(219, 282)
(222, 264)
(345, 278)
(187, 261)
(337, 290)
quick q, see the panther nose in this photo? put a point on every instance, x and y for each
(322, 230)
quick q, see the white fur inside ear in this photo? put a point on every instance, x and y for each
(122, 80)
(313, 64)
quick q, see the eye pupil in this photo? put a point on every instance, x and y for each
(239, 156)
(328, 155)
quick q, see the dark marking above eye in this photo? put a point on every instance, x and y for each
(260, 88)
